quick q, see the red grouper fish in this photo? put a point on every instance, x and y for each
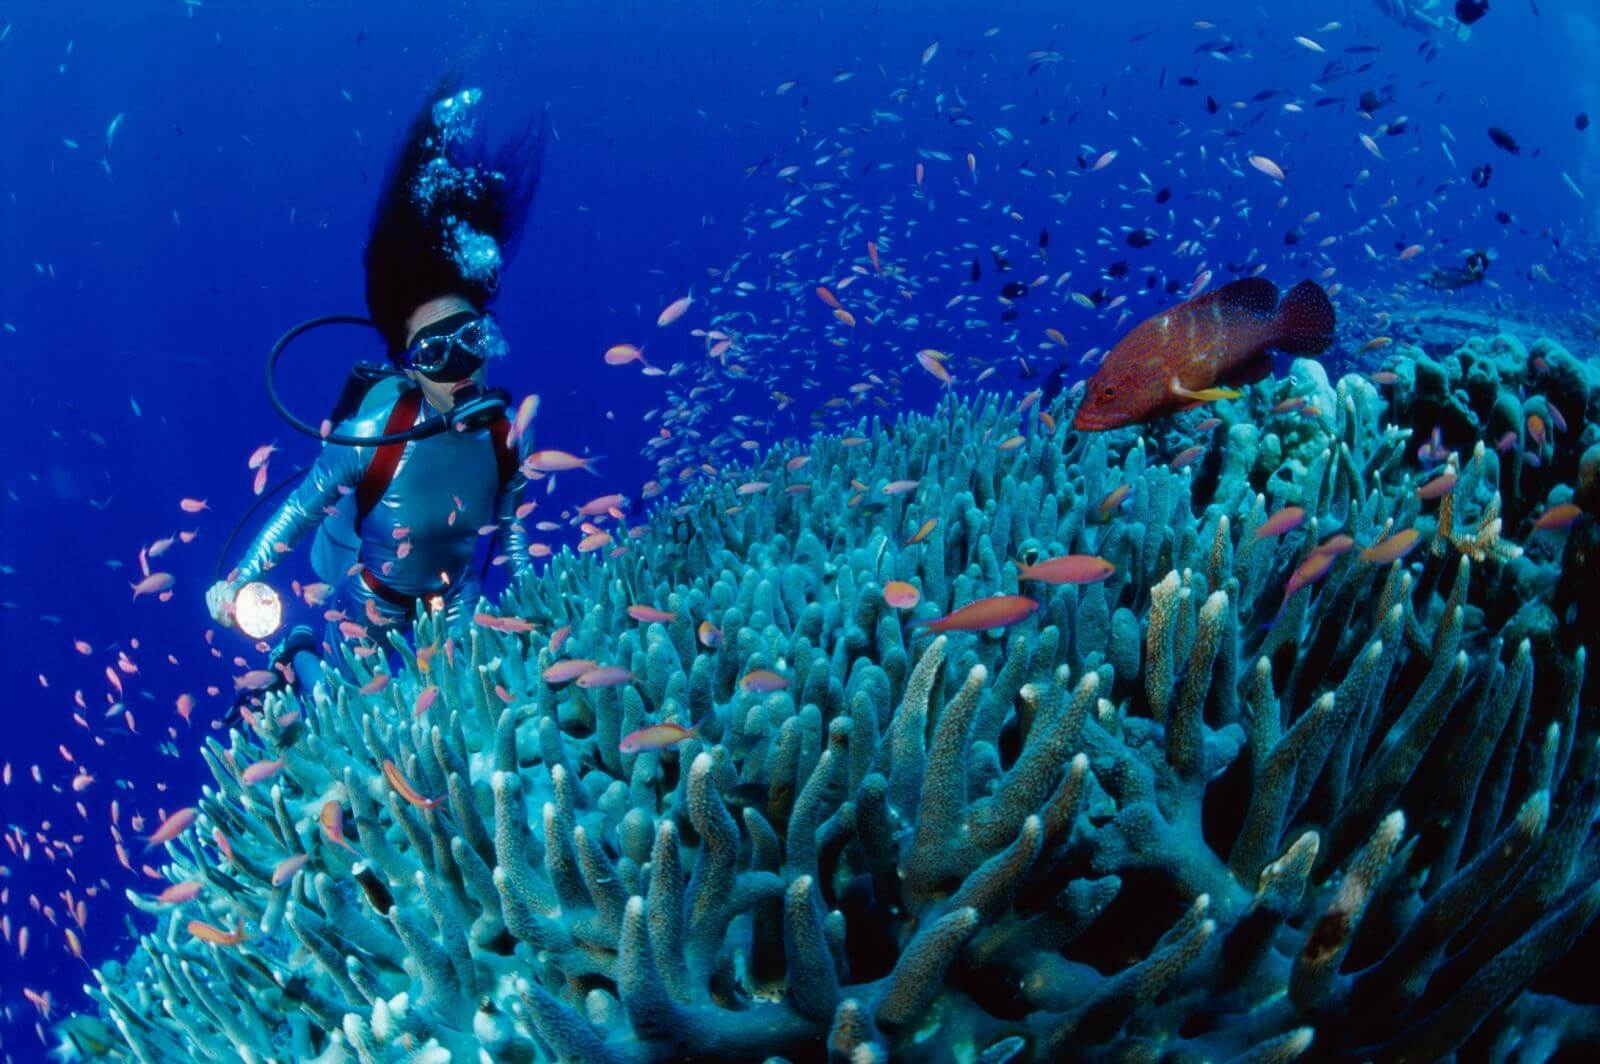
(1190, 354)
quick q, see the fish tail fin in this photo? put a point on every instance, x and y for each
(589, 463)
(1023, 569)
(1306, 320)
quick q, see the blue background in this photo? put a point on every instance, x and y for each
(241, 178)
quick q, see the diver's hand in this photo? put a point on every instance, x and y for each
(219, 601)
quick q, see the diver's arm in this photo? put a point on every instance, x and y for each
(337, 470)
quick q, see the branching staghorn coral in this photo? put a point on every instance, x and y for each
(1174, 815)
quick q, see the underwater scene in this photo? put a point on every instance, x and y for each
(792, 530)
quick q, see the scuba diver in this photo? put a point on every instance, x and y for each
(398, 518)
(1450, 278)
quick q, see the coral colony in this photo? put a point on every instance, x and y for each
(1270, 785)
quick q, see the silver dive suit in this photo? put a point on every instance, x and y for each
(419, 538)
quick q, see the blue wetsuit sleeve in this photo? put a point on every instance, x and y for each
(512, 531)
(337, 467)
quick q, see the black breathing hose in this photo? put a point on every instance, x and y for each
(222, 555)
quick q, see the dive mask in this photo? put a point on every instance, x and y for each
(454, 348)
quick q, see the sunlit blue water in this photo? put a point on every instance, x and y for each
(179, 183)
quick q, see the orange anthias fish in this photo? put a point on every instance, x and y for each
(996, 611)
(401, 786)
(207, 933)
(657, 737)
(1067, 569)
(1189, 354)
(332, 820)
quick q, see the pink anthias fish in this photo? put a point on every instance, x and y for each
(1312, 568)
(673, 311)
(179, 893)
(933, 362)
(1315, 565)
(261, 771)
(1438, 486)
(402, 786)
(425, 700)
(1393, 548)
(605, 676)
(502, 624)
(286, 868)
(172, 827)
(650, 615)
(657, 737)
(1067, 569)
(523, 417)
(566, 671)
(997, 611)
(901, 595)
(1560, 516)
(153, 584)
(603, 505)
(559, 462)
(332, 820)
(622, 354)
(762, 681)
(255, 680)
(1285, 520)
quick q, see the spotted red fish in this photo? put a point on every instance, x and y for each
(1175, 360)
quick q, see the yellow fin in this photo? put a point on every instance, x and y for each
(1204, 395)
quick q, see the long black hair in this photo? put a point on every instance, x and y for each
(445, 182)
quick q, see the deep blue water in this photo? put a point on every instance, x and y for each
(141, 280)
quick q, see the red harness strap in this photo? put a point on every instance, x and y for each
(380, 474)
(505, 455)
(380, 471)
(387, 593)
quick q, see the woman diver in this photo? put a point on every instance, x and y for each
(398, 523)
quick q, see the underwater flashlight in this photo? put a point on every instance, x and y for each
(258, 609)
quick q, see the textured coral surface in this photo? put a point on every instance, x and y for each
(1175, 815)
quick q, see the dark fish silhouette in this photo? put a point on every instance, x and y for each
(1053, 384)
(1504, 140)
(1470, 11)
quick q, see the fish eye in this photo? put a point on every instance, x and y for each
(1109, 390)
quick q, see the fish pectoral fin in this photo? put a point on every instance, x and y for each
(1204, 395)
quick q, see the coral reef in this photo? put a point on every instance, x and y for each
(1174, 815)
